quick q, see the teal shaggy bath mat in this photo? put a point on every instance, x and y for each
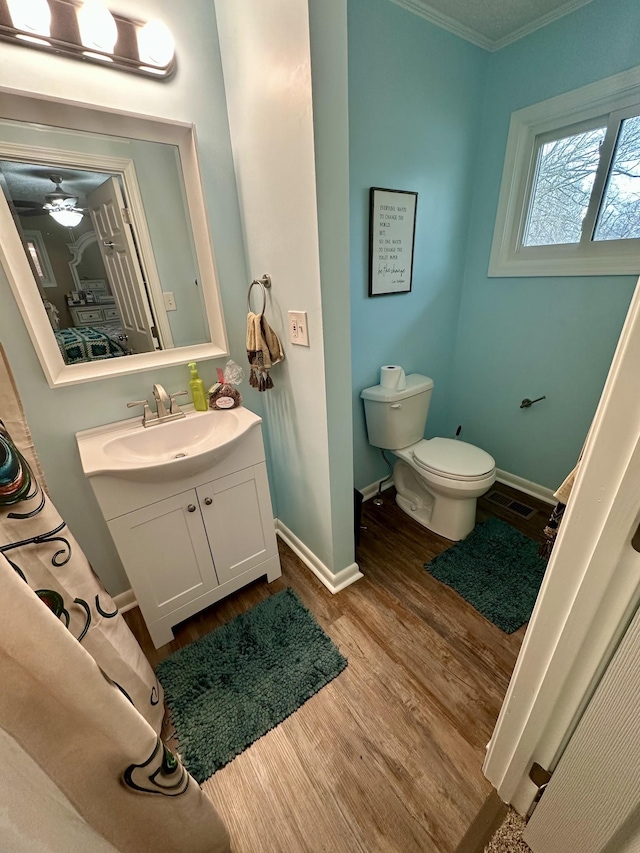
(231, 687)
(496, 569)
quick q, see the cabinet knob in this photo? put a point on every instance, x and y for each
(208, 501)
(191, 508)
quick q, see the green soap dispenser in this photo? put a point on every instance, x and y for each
(198, 394)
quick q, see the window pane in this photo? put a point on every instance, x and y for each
(33, 252)
(563, 183)
(620, 212)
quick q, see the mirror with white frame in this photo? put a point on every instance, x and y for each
(105, 241)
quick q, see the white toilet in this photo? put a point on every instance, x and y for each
(437, 480)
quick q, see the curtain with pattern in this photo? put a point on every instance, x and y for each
(78, 699)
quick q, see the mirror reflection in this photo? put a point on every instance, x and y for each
(59, 218)
(110, 248)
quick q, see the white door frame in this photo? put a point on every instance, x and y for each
(589, 593)
(116, 243)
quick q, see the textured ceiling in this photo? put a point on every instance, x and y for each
(491, 23)
(31, 182)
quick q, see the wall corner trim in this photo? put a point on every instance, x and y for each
(333, 582)
(125, 600)
(526, 486)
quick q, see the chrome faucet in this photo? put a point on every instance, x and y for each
(166, 406)
(163, 402)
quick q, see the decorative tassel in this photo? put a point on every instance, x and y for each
(263, 350)
(259, 377)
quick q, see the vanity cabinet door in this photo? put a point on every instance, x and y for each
(166, 555)
(239, 521)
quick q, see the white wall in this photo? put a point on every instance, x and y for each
(195, 94)
(266, 55)
(329, 72)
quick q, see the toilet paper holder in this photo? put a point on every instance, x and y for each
(526, 403)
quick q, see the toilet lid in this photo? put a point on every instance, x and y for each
(455, 459)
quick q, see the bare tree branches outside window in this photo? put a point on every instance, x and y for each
(620, 212)
(563, 184)
(564, 180)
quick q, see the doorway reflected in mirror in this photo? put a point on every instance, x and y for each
(82, 249)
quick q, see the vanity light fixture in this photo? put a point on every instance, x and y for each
(156, 46)
(98, 28)
(89, 31)
(33, 17)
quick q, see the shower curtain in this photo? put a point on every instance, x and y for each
(37, 543)
(80, 707)
(70, 738)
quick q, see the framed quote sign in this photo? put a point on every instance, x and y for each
(391, 238)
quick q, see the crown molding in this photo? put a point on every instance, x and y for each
(418, 7)
(549, 18)
(423, 10)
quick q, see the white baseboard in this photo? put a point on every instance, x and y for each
(125, 600)
(333, 582)
(526, 486)
(371, 490)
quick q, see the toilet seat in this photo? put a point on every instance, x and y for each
(454, 460)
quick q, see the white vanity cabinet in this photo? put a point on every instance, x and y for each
(188, 541)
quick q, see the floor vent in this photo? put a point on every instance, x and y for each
(516, 507)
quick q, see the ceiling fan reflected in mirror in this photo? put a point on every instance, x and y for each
(62, 206)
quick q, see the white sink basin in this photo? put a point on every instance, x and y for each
(163, 451)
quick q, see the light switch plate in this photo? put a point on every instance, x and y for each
(298, 332)
(169, 301)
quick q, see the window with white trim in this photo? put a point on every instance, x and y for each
(39, 256)
(570, 196)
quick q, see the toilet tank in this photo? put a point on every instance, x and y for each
(397, 419)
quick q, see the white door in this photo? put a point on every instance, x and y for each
(239, 521)
(589, 593)
(106, 206)
(592, 803)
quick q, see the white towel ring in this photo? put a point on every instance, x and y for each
(264, 282)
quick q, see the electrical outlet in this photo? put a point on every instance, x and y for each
(298, 332)
(169, 301)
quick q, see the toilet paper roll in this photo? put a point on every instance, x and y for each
(392, 376)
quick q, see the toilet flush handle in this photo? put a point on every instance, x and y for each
(396, 405)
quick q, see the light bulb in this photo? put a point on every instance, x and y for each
(68, 218)
(155, 44)
(98, 29)
(31, 16)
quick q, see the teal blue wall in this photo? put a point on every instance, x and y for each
(430, 112)
(524, 337)
(415, 99)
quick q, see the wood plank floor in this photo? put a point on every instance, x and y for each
(388, 756)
